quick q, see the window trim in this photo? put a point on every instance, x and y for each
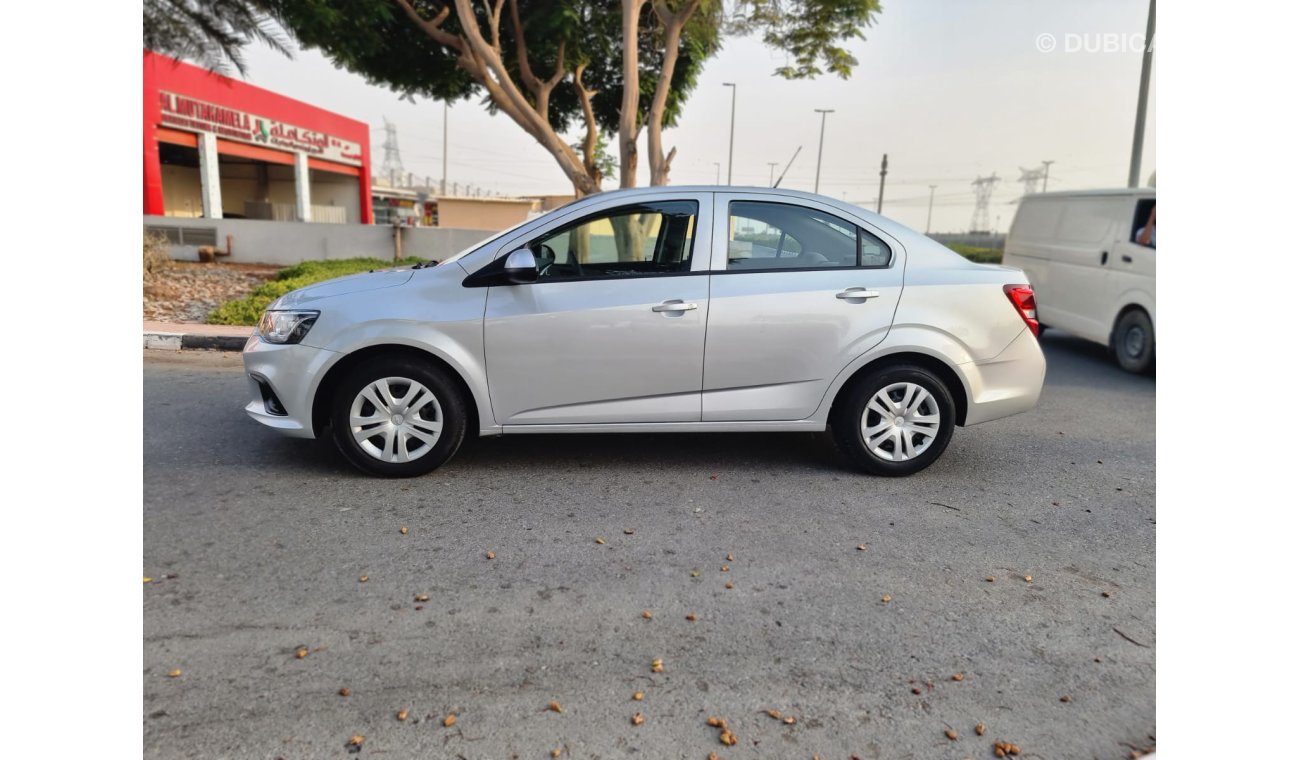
(728, 201)
(638, 207)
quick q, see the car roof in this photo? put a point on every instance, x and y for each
(885, 223)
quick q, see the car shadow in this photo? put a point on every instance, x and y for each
(809, 452)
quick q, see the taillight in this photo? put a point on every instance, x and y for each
(1022, 297)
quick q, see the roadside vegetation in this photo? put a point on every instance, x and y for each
(247, 310)
(977, 254)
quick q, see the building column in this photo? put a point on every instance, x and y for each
(302, 187)
(209, 175)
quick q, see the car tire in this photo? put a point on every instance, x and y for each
(1134, 342)
(415, 415)
(865, 432)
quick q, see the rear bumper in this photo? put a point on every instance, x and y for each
(288, 375)
(1007, 384)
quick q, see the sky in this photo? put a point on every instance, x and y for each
(950, 89)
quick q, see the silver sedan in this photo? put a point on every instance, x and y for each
(664, 309)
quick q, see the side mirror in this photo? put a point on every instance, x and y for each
(516, 268)
(521, 267)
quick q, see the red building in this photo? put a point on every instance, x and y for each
(215, 147)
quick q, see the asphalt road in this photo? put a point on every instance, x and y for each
(256, 544)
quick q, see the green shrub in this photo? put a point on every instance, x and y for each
(247, 310)
(977, 254)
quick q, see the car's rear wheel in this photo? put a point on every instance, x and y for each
(1134, 342)
(398, 417)
(895, 421)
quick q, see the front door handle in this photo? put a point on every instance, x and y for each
(853, 294)
(1105, 256)
(674, 306)
(1127, 259)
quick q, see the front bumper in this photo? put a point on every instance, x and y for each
(1007, 384)
(283, 380)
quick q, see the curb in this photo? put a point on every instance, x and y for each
(175, 341)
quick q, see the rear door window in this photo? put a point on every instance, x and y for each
(765, 236)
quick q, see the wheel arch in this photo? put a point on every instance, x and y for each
(950, 378)
(320, 406)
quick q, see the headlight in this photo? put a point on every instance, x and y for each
(286, 326)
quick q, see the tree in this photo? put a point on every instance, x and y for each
(209, 32)
(629, 65)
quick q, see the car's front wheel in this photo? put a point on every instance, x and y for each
(895, 421)
(396, 417)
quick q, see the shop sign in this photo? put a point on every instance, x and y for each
(184, 112)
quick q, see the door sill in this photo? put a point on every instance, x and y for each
(811, 426)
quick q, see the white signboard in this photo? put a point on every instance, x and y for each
(184, 112)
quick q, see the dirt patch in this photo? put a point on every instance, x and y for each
(189, 292)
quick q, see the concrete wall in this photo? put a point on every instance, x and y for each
(266, 242)
(482, 213)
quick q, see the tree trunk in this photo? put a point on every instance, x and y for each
(628, 120)
(673, 24)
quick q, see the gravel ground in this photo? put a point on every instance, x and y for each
(257, 544)
(189, 292)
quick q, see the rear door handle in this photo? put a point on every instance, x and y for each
(1127, 259)
(852, 294)
(674, 306)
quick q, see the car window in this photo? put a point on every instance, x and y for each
(765, 236)
(630, 241)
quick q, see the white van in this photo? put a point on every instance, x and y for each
(1090, 275)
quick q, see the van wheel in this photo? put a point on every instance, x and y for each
(895, 421)
(397, 418)
(1134, 342)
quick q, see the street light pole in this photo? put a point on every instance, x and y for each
(771, 172)
(929, 214)
(1139, 126)
(731, 144)
(717, 173)
(884, 169)
(442, 189)
(1047, 166)
(817, 183)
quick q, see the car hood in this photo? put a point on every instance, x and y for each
(354, 283)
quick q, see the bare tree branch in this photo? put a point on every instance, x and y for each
(526, 74)
(433, 26)
(495, 77)
(588, 116)
(673, 25)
